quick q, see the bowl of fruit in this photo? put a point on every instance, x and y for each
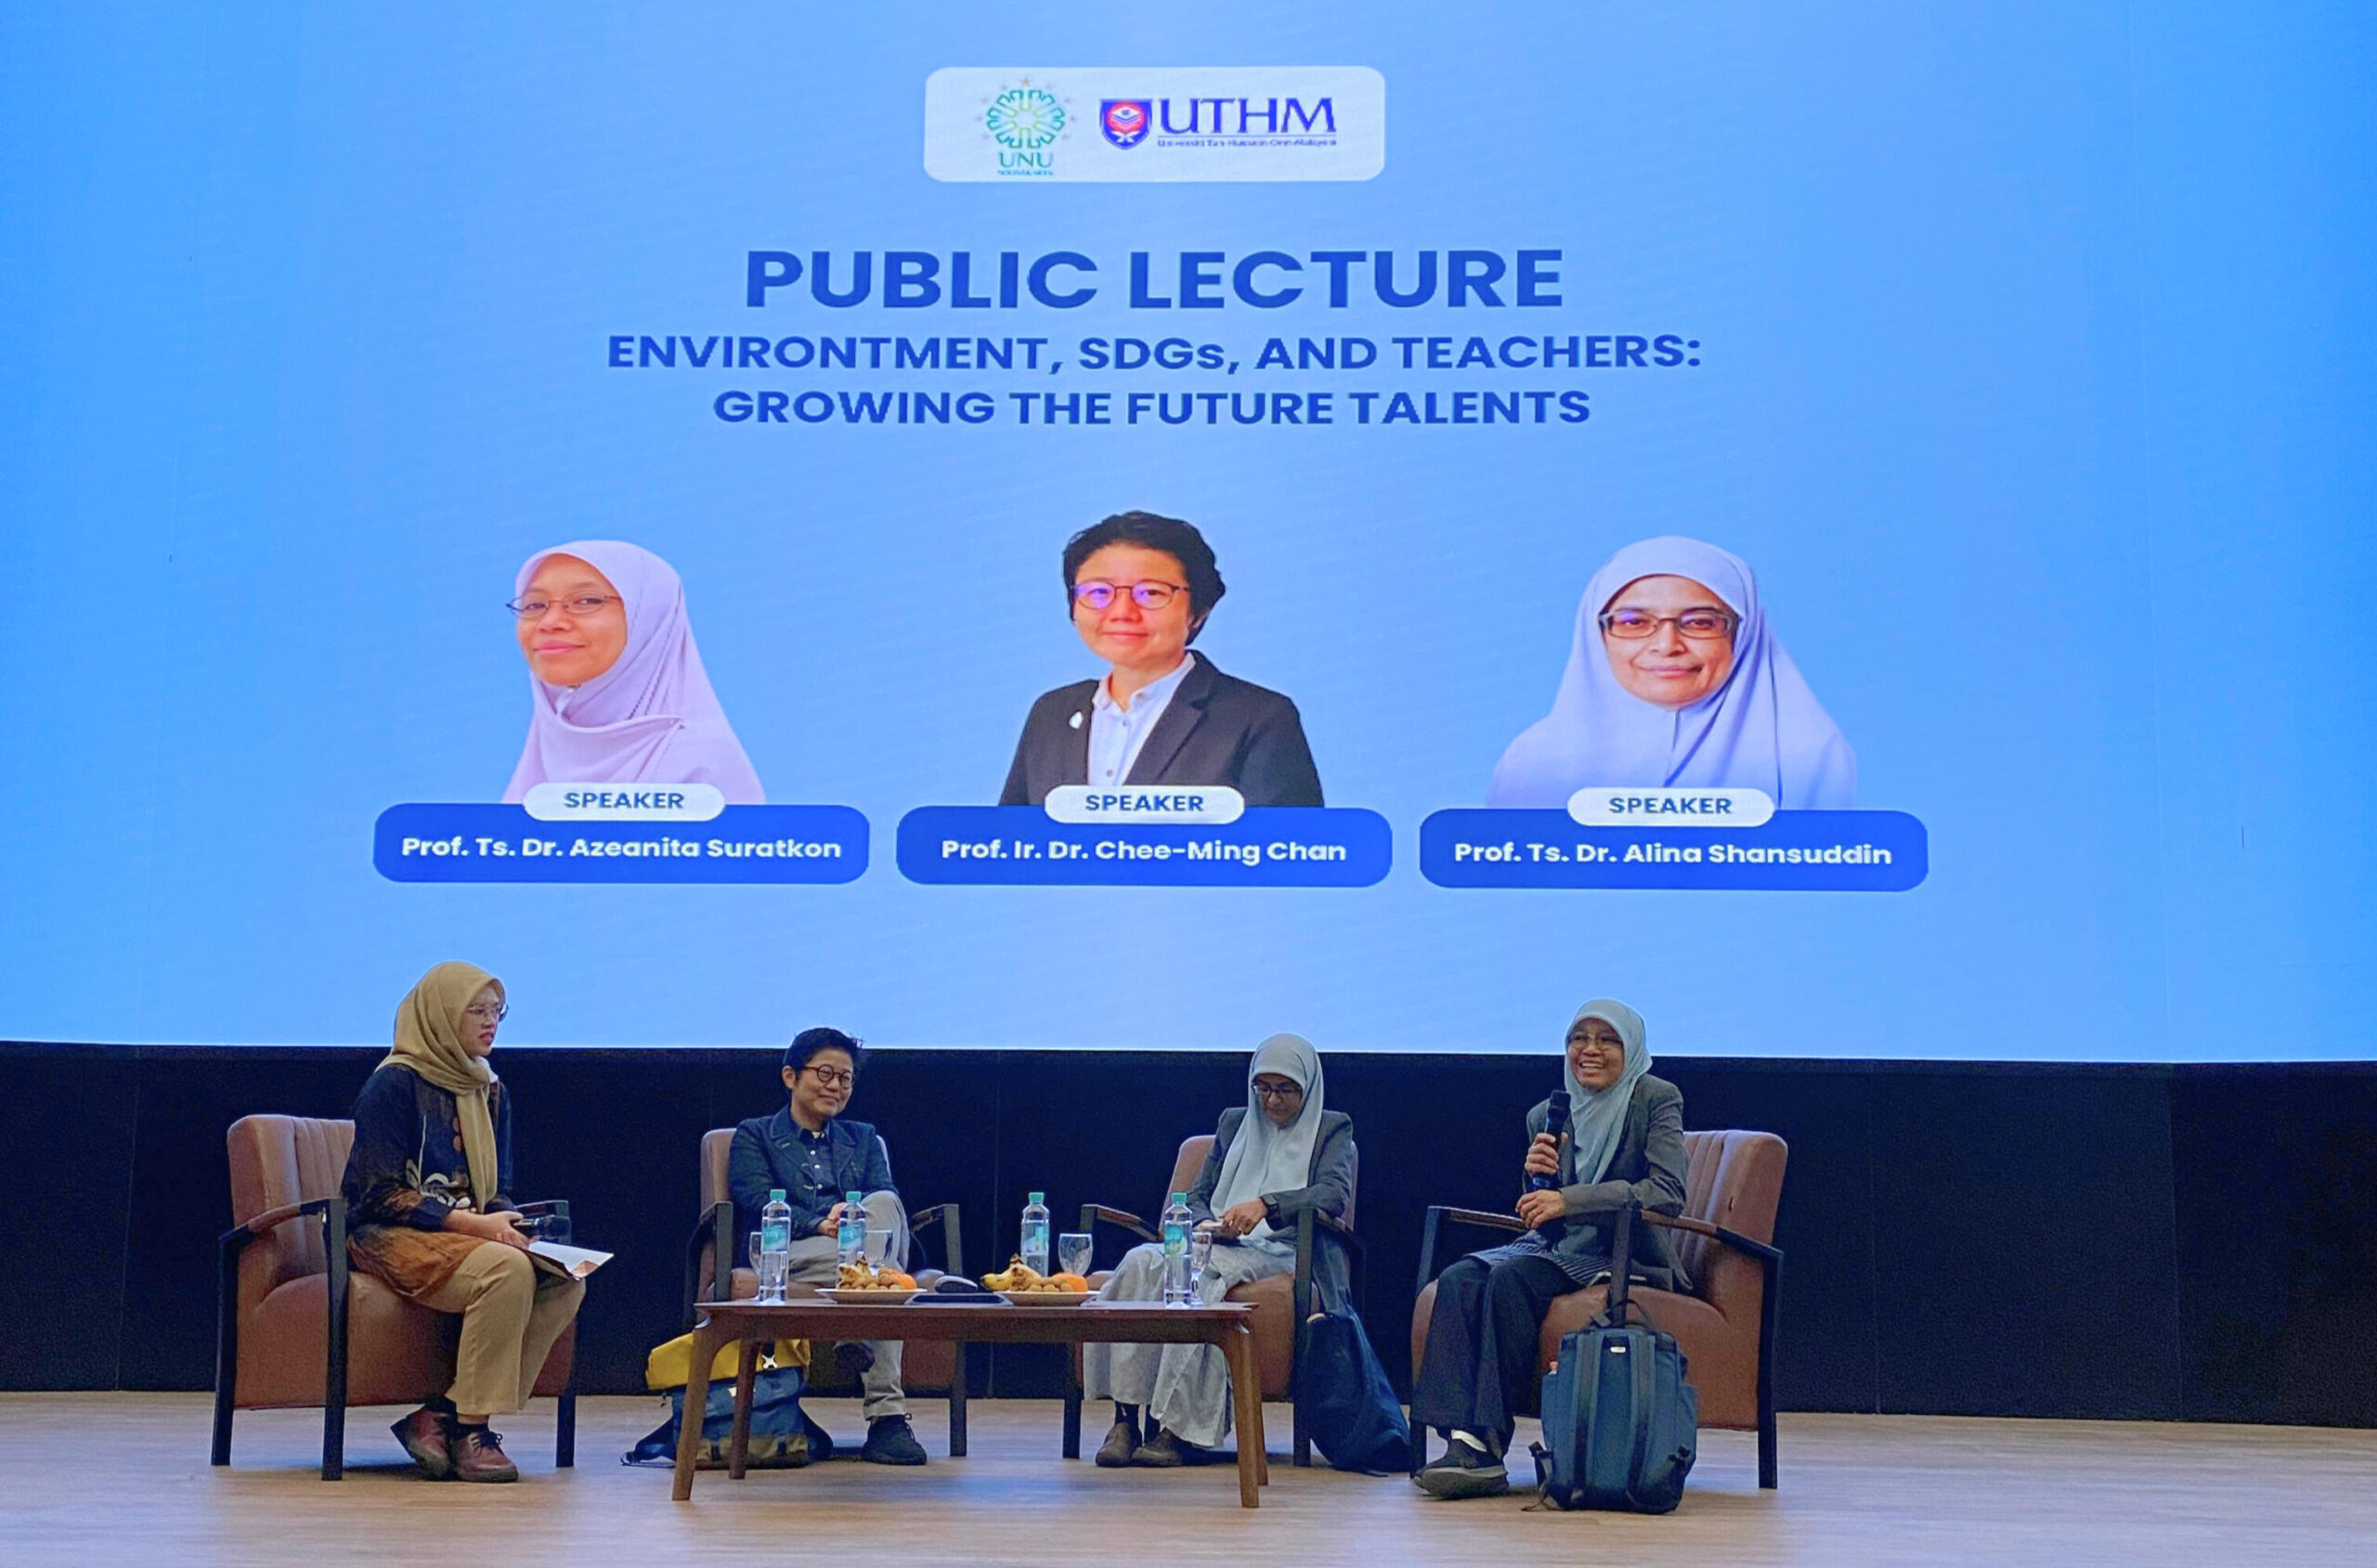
(865, 1284)
(1024, 1286)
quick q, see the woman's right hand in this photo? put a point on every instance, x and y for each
(501, 1227)
(1544, 1156)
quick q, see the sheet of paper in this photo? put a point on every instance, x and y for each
(575, 1262)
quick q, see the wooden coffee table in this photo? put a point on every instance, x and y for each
(722, 1323)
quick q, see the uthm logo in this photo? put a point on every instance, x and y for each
(1245, 117)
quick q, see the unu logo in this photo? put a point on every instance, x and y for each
(1025, 118)
(1125, 121)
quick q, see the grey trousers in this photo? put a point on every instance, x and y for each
(814, 1261)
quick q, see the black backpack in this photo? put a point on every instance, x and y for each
(1347, 1407)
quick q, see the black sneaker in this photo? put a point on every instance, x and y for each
(1467, 1470)
(821, 1442)
(891, 1440)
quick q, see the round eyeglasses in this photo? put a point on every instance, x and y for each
(1701, 626)
(1097, 595)
(485, 1014)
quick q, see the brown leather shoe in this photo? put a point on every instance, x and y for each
(1167, 1449)
(423, 1435)
(478, 1456)
(1122, 1442)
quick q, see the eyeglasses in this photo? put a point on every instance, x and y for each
(1097, 595)
(834, 1077)
(486, 1014)
(1279, 1091)
(1701, 626)
(1594, 1043)
(584, 604)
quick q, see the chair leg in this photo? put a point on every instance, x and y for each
(222, 1425)
(226, 1346)
(335, 1373)
(334, 1402)
(1301, 1454)
(1419, 1445)
(566, 1428)
(1768, 1463)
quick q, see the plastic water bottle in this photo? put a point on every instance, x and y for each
(1177, 1221)
(1035, 1234)
(776, 1246)
(849, 1237)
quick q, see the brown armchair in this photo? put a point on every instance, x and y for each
(295, 1327)
(925, 1366)
(1725, 1325)
(1281, 1302)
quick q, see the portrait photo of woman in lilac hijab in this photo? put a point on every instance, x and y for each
(1675, 679)
(617, 693)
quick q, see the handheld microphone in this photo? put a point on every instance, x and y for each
(1555, 1123)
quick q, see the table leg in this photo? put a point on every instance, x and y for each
(689, 1431)
(738, 1443)
(958, 1358)
(1246, 1388)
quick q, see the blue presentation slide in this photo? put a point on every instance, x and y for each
(1841, 524)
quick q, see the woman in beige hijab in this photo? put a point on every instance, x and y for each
(426, 1188)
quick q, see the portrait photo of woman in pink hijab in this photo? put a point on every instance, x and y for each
(616, 691)
(1675, 677)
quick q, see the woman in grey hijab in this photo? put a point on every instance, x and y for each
(1625, 1143)
(1273, 1157)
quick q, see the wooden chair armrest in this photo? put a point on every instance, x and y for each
(1485, 1217)
(1437, 1215)
(241, 1233)
(1092, 1213)
(716, 1224)
(1732, 1239)
(945, 1215)
(1340, 1229)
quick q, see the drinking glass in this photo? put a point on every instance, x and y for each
(1200, 1252)
(879, 1247)
(1073, 1252)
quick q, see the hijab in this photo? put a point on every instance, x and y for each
(429, 1041)
(1265, 1157)
(1596, 1122)
(649, 719)
(1761, 730)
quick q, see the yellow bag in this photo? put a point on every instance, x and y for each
(670, 1365)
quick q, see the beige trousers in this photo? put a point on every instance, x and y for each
(513, 1312)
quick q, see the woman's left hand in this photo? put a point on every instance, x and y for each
(1534, 1207)
(1239, 1219)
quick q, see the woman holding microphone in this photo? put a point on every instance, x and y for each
(1624, 1145)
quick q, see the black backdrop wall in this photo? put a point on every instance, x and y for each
(2033, 1240)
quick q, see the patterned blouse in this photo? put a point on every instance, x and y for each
(406, 1172)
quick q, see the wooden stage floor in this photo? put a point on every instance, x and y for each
(115, 1478)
